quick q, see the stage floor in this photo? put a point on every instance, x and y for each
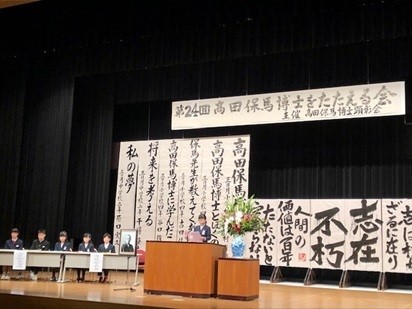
(92, 294)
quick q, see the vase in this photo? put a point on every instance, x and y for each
(238, 246)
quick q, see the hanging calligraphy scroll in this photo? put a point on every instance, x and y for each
(163, 185)
(397, 235)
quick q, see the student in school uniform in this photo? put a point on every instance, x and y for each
(106, 246)
(203, 228)
(14, 243)
(61, 245)
(38, 244)
(85, 246)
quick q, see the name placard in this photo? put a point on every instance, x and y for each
(19, 260)
(96, 262)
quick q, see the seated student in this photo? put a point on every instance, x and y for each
(14, 243)
(106, 246)
(202, 228)
(38, 244)
(61, 245)
(85, 246)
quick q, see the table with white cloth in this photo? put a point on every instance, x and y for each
(68, 259)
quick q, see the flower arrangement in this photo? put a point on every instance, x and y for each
(240, 216)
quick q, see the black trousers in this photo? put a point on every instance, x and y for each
(81, 273)
(105, 272)
(54, 271)
(36, 270)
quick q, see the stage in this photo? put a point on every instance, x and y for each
(119, 294)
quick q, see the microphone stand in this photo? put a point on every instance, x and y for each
(125, 289)
(131, 289)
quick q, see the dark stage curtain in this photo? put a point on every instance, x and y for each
(41, 190)
(152, 34)
(12, 92)
(88, 183)
(362, 158)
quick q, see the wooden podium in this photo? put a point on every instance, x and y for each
(182, 268)
(238, 278)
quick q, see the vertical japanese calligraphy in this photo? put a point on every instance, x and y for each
(293, 227)
(126, 189)
(240, 159)
(397, 235)
(152, 184)
(150, 187)
(184, 216)
(364, 242)
(263, 244)
(193, 189)
(328, 234)
(139, 207)
(216, 189)
(172, 192)
(167, 191)
(172, 181)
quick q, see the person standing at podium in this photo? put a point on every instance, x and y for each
(203, 228)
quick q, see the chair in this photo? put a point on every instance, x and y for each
(142, 258)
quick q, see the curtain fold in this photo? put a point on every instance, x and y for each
(155, 34)
(88, 183)
(41, 188)
(12, 93)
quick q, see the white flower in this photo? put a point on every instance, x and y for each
(239, 216)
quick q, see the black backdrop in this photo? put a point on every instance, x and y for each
(76, 77)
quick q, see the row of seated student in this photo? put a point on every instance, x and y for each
(14, 243)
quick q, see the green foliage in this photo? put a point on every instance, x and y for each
(240, 216)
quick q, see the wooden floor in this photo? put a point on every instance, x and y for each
(119, 294)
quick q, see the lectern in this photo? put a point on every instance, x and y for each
(238, 278)
(181, 268)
